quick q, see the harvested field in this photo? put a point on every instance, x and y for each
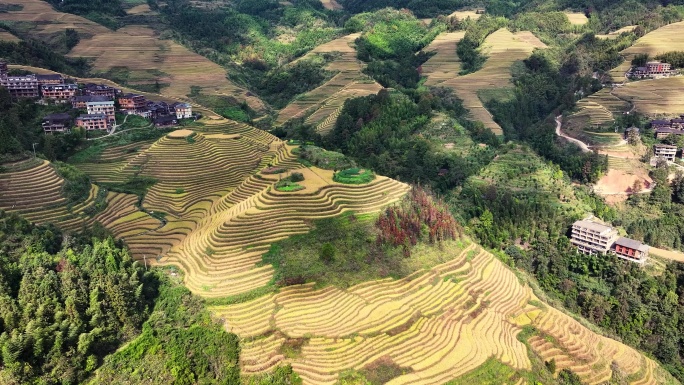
(460, 314)
(142, 9)
(46, 21)
(615, 34)
(594, 112)
(503, 48)
(322, 106)
(331, 4)
(445, 64)
(577, 18)
(668, 254)
(618, 181)
(664, 39)
(462, 15)
(656, 96)
(34, 191)
(149, 59)
(6, 36)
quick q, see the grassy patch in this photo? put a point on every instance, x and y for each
(76, 183)
(286, 185)
(382, 371)
(329, 160)
(137, 185)
(354, 176)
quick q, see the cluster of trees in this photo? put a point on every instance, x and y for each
(84, 7)
(37, 54)
(282, 84)
(20, 128)
(420, 217)
(382, 132)
(639, 308)
(64, 308)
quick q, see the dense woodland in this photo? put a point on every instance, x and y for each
(75, 329)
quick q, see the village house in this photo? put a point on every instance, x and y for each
(665, 151)
(93, 122)
(660, 123)
(165, 121)
(133, 103)
(653, 69)
(3, 69)
(79, 101)
(634, 130)
(677, 123)
(631, 250)
(183, 110)
(56, 123)
(53, 79)
(662, 133)
(25, 86)
(61, 93)
(591, 237)
(92, 89)
(158, 109)
(104, 107)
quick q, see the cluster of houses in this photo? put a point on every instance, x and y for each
(591, 237)
(101, 102)
(652, 70)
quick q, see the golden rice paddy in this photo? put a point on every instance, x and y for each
(577, 18)
(322, 105)
(503, 48)
(437, 325)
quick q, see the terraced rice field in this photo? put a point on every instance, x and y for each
(34, 191)
(322, 106)
(596, 110)
(664, 39)
(46, 21)
(444, 64)
(462, 15)
(577, 18)
(437, 324)
(6, 36)
(150, 59)
(656, 96)
(331, 4)
(617, 33)
(503, 48)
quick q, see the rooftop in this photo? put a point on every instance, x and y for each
(660, 121)
(57, 116)
(92, 116)
(49, 77)
(632, 244)
(670, 131)
(664, 146)
(591, 225)
(90, 98)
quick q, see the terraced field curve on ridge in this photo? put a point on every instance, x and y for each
(437, 325)
(321, 106)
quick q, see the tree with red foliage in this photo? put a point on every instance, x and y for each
(419, 217)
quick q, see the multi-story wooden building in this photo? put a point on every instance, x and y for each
(92, 89)
(105, 108)
(665, 151)
(93, 122)
(662, 133)
(59, 92)
(53, 79)
(56, 123)
(631, 250)
(80, 101)
(25, 86)
(657, 67)
(132, 103)
(4, 71)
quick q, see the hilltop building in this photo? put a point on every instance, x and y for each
(25, 86)
(93, 122)
(652, 69)
(92, 89)
(665, 151)
(102, 107)
(591, 237)
(56, 123)
(61, 93)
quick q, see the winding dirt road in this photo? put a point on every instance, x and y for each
(560, 133)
